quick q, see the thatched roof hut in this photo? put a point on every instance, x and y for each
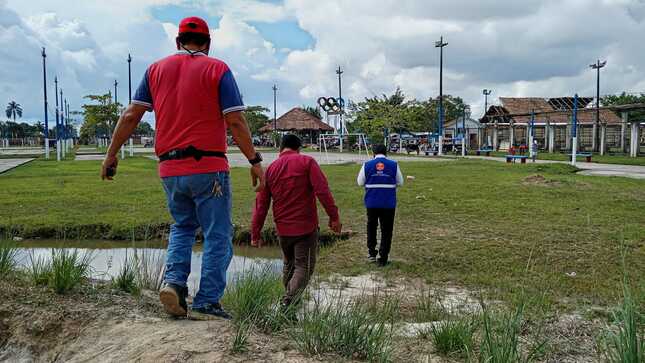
(298, 121)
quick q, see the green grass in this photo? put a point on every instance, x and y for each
(126, 278)
(8, 258)
(348, 328)
(39, 270)
(69, 269)
(472, 223)
(253, 298)
(500, 342)
(453, 337)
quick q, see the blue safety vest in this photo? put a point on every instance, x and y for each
(380, 183)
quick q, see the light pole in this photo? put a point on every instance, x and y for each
(440, 44)
(62, 123)
(340, 72)
(130, 141)
(486, 93)
(597, 66)
(46, 133)
(275, 115)
(57, 116)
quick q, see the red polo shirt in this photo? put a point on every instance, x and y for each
(293, 181)
(190, 94)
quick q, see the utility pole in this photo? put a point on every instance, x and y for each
(62, 123)
(597, 66)
(275, 115)
(130, 141)
(340, 72)
(57, 116)
(116, 99)
(46, 131)
(440, 44)
(486, 93)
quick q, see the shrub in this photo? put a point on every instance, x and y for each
(625, 343)
(69, 268)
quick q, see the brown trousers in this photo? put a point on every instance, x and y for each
(299, 254)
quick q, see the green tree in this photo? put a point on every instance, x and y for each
(99, 117)
(144, 129)
(625, 99)
(256, 117)
(313, 111)
(13, 109)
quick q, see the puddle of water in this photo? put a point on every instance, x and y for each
(108, 256)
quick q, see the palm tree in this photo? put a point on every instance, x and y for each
(14, 109)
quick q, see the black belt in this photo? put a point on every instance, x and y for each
(189, 152)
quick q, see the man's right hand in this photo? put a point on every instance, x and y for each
(257, 177)
(335, 226)
(110, 162)
(257, 243)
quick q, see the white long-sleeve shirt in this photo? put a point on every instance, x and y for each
(361, 174)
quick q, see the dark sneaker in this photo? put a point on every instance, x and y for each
(289, 313)
(209, 312)
(173, 298)
(382, 262)
(371, 259)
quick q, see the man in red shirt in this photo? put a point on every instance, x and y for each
(294, 181)
(195, 99)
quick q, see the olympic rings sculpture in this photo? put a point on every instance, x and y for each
(331, 104)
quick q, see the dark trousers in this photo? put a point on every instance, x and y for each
(299, 260)
(384, 217)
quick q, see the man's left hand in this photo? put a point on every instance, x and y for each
(257, 243)
(335, 226)
(257, 177)
(110, 162)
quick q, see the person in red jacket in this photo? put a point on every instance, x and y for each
(293, 182)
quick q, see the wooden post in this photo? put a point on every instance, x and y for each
(603, 137)
(552, 139)
(623, 131)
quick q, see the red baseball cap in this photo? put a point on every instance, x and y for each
(194, 24)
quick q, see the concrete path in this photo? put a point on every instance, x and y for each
(238, 159)
(21, 151)
(8, 164)
(628, 171)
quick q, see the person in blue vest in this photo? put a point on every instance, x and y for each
(380, 177)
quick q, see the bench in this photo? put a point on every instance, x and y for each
(513, 158)
(587, 156)
(486, 151)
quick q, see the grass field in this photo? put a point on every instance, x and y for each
(478, 224)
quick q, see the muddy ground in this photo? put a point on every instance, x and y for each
(97, 323)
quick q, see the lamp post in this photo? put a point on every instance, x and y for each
(486, 93)
(597, 66)
(62, 124)
(57, 116)
(275, 115)
(340, 72)
(46, 131)
(130, 141)
(440, 44)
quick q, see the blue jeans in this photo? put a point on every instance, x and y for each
(200, 200)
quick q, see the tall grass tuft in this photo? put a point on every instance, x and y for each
(241, 338)
(39, 269)
(345, 327)
(126, 279)
(69, 268)
(429, 307)
(150, 268)
(625, 343)
(453, 337)
(8, 257)
(253, 298)
(501, 338)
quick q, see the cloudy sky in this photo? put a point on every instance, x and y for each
(516, 48)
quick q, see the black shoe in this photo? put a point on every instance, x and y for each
(209, 312)
(382, 262)
(173, 298)
(289, 313)
(371, 259)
